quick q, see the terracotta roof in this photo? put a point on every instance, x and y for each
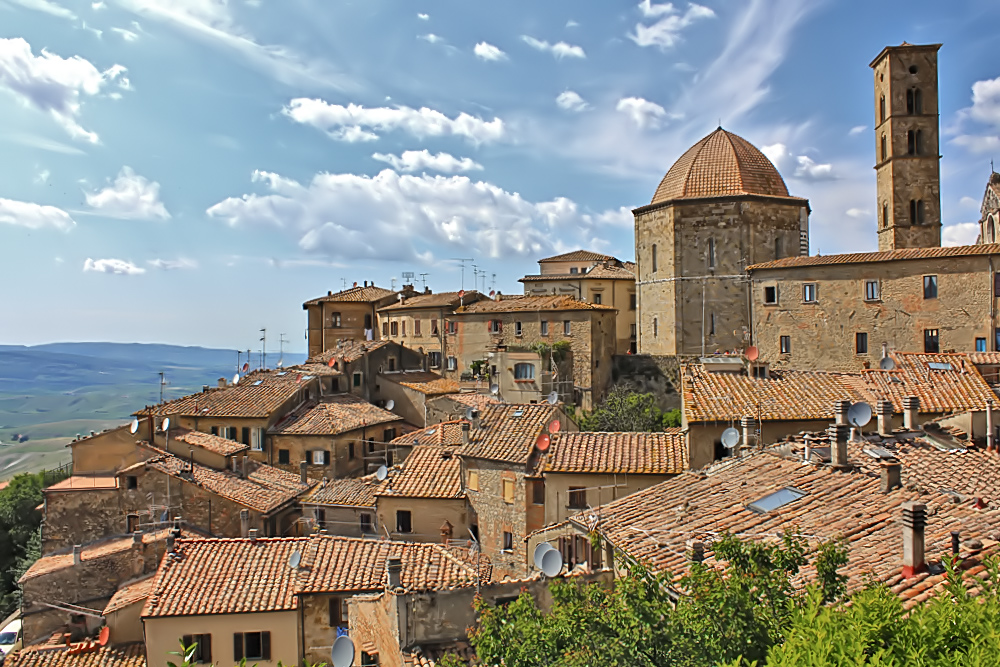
(348, 492)
(603, 271)
(353, 295)
(258, 395)
(931, 582)
(349, 350)
(532, 303)
(340, 413)
(610, 453)
(445, 433)
(428, 655)
(509, 432)
(425, 382)
(471, 399)
(957, 389)
(428, 472)
(721, 164)
(885, 256)
(211, 443)
(307, 368)
(84, 482)
(578, 256)
(93, 551)
(264, 489)
(984, 358)
(439, 300)
(130, 594)
(81, 654)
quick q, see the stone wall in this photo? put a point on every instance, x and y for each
(599, 489)
(374, 621)
(427, 516)
(108, 452)
(615, 293)
(495, 516)
(342, 464)
(80, 516)
(319, 631)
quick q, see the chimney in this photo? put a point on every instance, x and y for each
(355, 284)
(883, 411)
(914, 520)
(204, 388)
(77, 550)
(696, 549)
(253, 534)
(911, 408)
(244, 523)
(395, 568)
(990, 435)
(955, 535)
(749, 424)
(807, 450)
(891, 476)
(171, 540)
(838, 434)
(476, 424)
(244, 466)
(465, 432)
(329, 292)
(840, 409)
(447, 530)
(303, 472)
(366, 283)
(427, 290)
(425, 364)
(222, 383)
(137, 539)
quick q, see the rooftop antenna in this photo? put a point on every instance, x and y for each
(343, 283)
(162, 382)
(553, 397)
(423, 280)
(859, 414)
(493, 283)
(548, 559)
(463, 260)
(281, 350)
(408, 277)
(263, 348)
(887, 364)
(381, 473)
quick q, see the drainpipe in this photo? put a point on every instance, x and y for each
(989, 426)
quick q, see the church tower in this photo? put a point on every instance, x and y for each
(907, 155)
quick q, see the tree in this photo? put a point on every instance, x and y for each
(628, 411)
(20, 543)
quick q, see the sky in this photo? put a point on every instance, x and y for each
(191, 171)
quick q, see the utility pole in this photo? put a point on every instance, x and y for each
(162, 382)
(463, 260)
(281, 350)
(263, 349)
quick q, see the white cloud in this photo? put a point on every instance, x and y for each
(406, 217)
(43, 177)
(116, 266)
(978, 143)
(488, 52)
(432, 38)
(180, 263)
(856, 130)
(801, 166)
(423, 17)
(644, 114)
(986, 101)
(968, 202)
(127, 35)
(424, 160)
(97, 6)
(48, 7)
(808, 169)
(666, 32)
(963, 233)
(130, 197)
(34, 216)
(51, 83)
(348, 123)
(858, 213)
(572, 24)
(560, 49)
(571, 101)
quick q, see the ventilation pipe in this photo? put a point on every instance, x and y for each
(466, 427)
(748, 423)
(77, 551)
(891, 476)
(696, 549)
(840, 409)
(914, 520)
(395, 569)
(911, 409)
(883, 412)
(244, 523)
(838, 434)
(253, 534)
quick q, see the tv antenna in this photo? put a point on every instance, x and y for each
(263, 348)
(163, 381)
(408, 277)
(423, 280)
(463, 260)
(281, 349)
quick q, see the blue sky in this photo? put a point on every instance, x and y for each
(189, 171)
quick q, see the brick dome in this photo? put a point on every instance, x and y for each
(721, 165)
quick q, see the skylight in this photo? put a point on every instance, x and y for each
(773, 501)
(518, 413)
(258, 383)
(939, 366)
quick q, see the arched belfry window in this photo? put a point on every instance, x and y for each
(885, 152)
(909, 101)
(919, 142)
(991, 232)
(910, 142)
(654, 258)
(885, 215)
(881, 109)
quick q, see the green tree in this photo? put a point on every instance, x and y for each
(20, 543)
(627, 410)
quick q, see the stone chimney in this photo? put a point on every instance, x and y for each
(696, 549)
(914, 520)
(244, 467)
(838, 434)
(304, 472)
(891, 476)
(476, 422)
(252, 534)
(883, 412)
(840, 409)
(244, 523)
(222, 383)
(911, 410)
(77, 550)
(204, 388)
(955, 542)
(395, 569)
(171, 541)
(447, 530)
(749, 426)
(466, 427)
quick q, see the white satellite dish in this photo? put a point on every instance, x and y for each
(236, 379)
(166, 423)
(342, 652)
(494, 389)
(390, 404)
(553, 398)
(859, 414)
(730, 438)
(134, 426)
(381, 473)
(470, 413)
(540, 550)
(887, 364)
(552, 563)
(294, 559)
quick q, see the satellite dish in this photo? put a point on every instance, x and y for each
(753, 353)
(381, 473)
(134, 427)
(342, 652)
(887, 364)
(390, 404)
(470, 413)
(294, 559)
(540, 550)
(554, 427)
(543, 442)
(166, 423)
(730, 438)
(103, 636)
(494, 389)
(552, 563)
(461, 293)
(859, 414)
(553, 398)
(236, 379)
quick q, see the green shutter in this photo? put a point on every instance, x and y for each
(237, 646)
(265, 645)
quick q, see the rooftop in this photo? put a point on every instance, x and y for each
(883, 256)
(509, 431)
(356, 294)
(84, 482)
(345, 492)
(90, 552)
(428, 471)
(445, 433)
(532, 303)
(603, 271)
(439, 300)
(425, 382)
(349, 350)
(130, 594)
(578, 256)
(611, 453)
(210, 443)
(82, 654)
(472, 399)
(340, 413)
(257, 396)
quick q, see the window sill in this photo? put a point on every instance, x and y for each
(532, 381)
(810, 303)
(770, 303)
(873, 300)
(576, 508)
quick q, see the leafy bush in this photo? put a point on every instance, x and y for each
(627, 410)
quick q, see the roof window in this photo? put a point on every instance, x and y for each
(518, 413)
(258, 383)
(939, 366)
(773, 501)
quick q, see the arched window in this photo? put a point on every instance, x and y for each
(656, 327)
(918, 101)
(711, 253)
(991, 232)
(885, 152)
(919, 142)
(910, 142)
(920, 211)
(885, 215)
(913, 211)
(654, 258)
(881, 109)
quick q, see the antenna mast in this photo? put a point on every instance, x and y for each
(463, 260)
(162, 382)
(423, 280)
(263, 349)
(281, 349)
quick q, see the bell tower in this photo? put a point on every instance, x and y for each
(907, 156)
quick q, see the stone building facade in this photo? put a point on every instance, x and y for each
(351, 313)
(989, 221)
(907, 151)
(720, 208)
(418, 322)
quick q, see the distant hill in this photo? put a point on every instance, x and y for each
(49, 393)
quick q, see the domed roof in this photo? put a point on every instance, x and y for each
(721, 165)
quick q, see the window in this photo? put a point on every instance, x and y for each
(596, 297)
(631, 301)
(996, 284)
(920, 211)
(861, 342)
(321, 457)
(909, 101)
(566, 327)
(711, 253)
(284, 457)
(777, 248)
(416, 327)
(473, 481)
(388, 434)
(871, 290)
(980, 345)
(257, 439)
(916, 211)
(321, 516)
(132, 482)
(385, 329)
(394, 328)
(932, 343)
(252, 646)
(656, 327)
(881, 109)
(574, 270)
(508, 541)
(203, 647)
(403, 523)
(368, 321)
(496, 326)
(524, 371)
(392, 363)
(711, 324)
(918, 100)
(245, 435)
(577, 497)
(452, 327)
(910, 142)
(885, 151)
(214, 430)
(434, 327)
(368, 660)
(538, 492)
(930, 287)
(771, 294)
(544, 328)
(654, 258)
(350, 450)
(885, 215)
(517, 329)
(434, 359)
(366, 523)
(402, 327)
(357, 379)
(919, 143)
(775, 500)
(335, 320)
(809, 292)
(452, 363)
(508, 490)
(338, 614)
(996, 340)
(785, 344)
(631, 330)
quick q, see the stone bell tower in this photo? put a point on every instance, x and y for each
(907, 155)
